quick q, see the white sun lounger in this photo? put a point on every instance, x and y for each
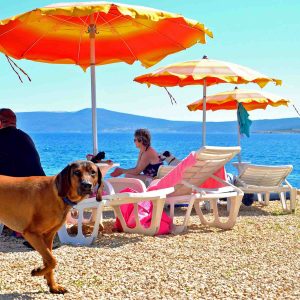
(263, 180)
(188, 177)
(88, 204)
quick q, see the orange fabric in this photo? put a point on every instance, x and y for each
(251, 99)
(59, 34)
(198, 71)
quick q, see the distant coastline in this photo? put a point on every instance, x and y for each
(290, 131)
(116, 122)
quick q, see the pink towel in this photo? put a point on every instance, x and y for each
(145, 216)
(176, 175)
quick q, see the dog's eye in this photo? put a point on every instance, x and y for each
(77, 173)
(93, 173)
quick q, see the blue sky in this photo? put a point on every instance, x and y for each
(263, 35)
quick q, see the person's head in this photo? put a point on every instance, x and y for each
(7, 118)
(143, 137)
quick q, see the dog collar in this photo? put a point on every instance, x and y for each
(171, 160)
(68, 201)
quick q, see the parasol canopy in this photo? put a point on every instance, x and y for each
(98, 33)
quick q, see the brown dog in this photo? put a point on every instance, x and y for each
(37, 207)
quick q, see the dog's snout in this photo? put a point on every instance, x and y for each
(86, 185)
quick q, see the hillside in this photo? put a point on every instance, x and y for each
(110, 121)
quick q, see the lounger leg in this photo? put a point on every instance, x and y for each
(228, 204)
(172, 205)
(1, 228)
(180, 228)
(293, 199)
(119, 215)
(199, 212)
(157, 209)
(267, 198)
(260, 198)
(234, 210)
(282, 197)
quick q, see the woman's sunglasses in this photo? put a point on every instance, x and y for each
(139, 140)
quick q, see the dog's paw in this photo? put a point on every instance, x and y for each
(36, 272)
(57, 289)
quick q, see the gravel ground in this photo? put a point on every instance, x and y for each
(258, 259)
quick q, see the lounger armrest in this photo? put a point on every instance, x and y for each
(162, 193)
(120, 183)
(90, 202)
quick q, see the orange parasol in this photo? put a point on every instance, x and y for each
(97, 33)
(250, 99)
(204, 72)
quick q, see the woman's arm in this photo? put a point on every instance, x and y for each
(142, 163)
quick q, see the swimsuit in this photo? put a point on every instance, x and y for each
(151, 169)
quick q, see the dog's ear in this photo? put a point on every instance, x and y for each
(100, 186)
(102, 155)
(63, 181)
(166, 154)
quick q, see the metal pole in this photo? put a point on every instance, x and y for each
(204, 115)
(239, 133)
(92, 32)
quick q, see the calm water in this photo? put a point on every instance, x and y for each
(57, 150)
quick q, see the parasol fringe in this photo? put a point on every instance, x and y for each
(13, 65)
(173, 100)
(297, 111)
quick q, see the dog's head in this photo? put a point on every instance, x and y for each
(78, 180)
(164, 155)
(98, 157)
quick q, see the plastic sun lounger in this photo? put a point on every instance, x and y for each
(88, 204)
(186, 178)
(263, 180)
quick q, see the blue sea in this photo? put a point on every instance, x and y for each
(57, 150)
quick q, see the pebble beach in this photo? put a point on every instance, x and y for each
(258, 259)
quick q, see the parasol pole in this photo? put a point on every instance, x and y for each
(92, 32)
(204, 110)
(204, 114)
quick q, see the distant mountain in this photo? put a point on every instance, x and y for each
(110, 121)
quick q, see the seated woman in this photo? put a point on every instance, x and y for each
(148, 160)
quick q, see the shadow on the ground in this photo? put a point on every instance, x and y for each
(11, 244)
(23, 296)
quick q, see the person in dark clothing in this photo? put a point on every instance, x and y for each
(18, 155)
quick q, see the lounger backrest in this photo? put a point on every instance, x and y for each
(259, 175)
(163, 171)
(208, 160)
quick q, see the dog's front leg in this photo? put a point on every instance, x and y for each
(38, 243)
(53, 286)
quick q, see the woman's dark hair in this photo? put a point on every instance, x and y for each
(143, 136)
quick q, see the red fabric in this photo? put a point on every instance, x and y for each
(212, 183)
(145, 216)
